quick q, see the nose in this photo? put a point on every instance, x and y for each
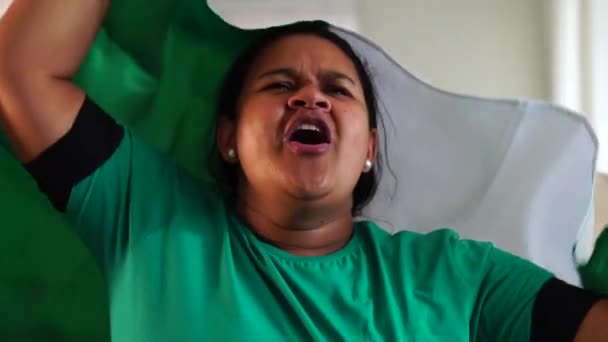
(309, 97)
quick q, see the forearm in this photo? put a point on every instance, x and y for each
(595, 325)
(42, 44)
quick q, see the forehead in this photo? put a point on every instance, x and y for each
(304, 52)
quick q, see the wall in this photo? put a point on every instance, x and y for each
(264, 13)
(3, 6)
(597, 70)
(493, 48)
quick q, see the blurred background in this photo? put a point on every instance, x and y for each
(550, 50)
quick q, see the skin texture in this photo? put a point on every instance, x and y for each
(300, 203)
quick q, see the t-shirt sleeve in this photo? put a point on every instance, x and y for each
(111, 185)
(506, 295)
(520, 301)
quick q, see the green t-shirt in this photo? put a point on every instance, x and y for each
(180, 266)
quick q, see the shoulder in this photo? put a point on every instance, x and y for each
(443, 241)
(432, 255)
(443, 250)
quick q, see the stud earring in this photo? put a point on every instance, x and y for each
(232, 154)
(368, 165)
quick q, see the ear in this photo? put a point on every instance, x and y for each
(372, 149)
(226, 137)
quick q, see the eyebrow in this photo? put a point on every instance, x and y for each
(292, 73)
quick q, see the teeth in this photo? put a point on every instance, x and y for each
(309, 127)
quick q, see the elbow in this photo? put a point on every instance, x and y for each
(14, 74)
(9, 68)
(6, 76)
(9, 76)
(17, 83)
(4, 65)
(17, 65)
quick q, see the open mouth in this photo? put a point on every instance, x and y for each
(309, 136)
(309, 132)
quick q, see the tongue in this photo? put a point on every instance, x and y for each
(308, 137)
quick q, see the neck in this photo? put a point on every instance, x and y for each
(300, 229)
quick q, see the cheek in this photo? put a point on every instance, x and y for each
(354, 140)
(249, 137)
(257, 126)
(354, 131)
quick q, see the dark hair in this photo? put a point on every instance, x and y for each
(234, 81)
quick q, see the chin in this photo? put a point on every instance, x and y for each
(309, 191)
(308, 182)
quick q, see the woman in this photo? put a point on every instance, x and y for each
(273, 253)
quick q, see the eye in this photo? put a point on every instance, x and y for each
(280, 86)
(338, 90)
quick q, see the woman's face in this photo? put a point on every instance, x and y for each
(302, 126)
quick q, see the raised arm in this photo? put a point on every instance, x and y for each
(42, 44)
